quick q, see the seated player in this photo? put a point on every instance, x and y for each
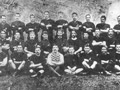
(98, 42)
(55, 60)
(3, 61)
(60, 40)
(18, 60)
(4, 42)
(15, 42)
(86, 39)
(45, 44)
(117, 59)
(37, 63)
(89, 60)
(75, 41)
(72, 63)
(111, 40)
(31, 44)
(106, 59)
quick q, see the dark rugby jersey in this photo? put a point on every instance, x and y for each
(45, 45)
(2, 56)
(89, 25)
(19, 56)
(64, 23)
(6, 28)
(90, 56)
(104, 57)
(71, 60)
(18, 26)
(38, 59)
(50, 29)
(35, 26)
(31, 44)
(15, 43)
(102, 26)
(76, 43)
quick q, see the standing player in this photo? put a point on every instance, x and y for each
(32, 26)
(103, 26)
(75, 25)
(62, 24)
(18, 26)
(4, 26)
(48, 25)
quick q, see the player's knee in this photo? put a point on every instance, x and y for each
(41, 71)
(31, 70)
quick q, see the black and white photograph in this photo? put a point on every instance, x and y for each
(59, 44)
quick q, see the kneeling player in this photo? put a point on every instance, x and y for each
(18, 60)
(37, 63)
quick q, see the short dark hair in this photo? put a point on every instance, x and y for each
(18, 14)
(3, 16)
(74, 13)
(103, 16)
(32, 15)
(46, 12)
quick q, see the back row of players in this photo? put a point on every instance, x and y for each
(59, 46)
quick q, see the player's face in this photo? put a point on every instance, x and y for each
(97, 32)
(45, 36)
(32, 18)
(73, 33)
(19, 48)
(103, 20)
(17, 36)
(37, 50)
(71, 50)
(46, 15)
(118, 48)
(60, 15)
(59, 33)
(74, 16)
(104, 50)
(32, 36)
(86, 35)
(88, 17)
(55, 48)
(118, 19)
(3, 19)
(86, 49)
(3, 35)
(17, 16)
(110, 32)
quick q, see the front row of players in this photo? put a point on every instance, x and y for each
(85, 62)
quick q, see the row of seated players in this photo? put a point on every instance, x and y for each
(109, 39)
(40, 64)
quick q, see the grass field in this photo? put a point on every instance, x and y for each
(91, 82)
